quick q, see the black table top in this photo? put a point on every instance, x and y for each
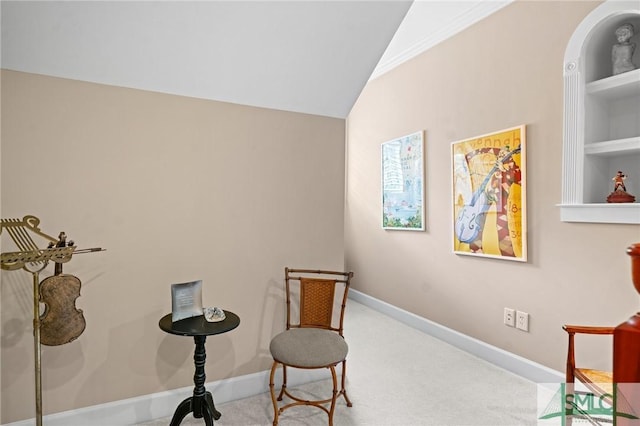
(199, 326)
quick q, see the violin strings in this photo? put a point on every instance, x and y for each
(21, 237)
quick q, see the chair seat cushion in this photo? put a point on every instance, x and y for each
(600, 382)
(308, 348)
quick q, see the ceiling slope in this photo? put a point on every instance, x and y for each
(304, 56)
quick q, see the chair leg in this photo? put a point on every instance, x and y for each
(298, 401)
(343, 391)
(276, 411)
(569, 395)
(334, 394)
(284, 382)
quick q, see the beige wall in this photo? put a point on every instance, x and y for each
(504, 71)
(179, 189)
(175, 189)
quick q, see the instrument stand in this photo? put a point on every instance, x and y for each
(34, 260)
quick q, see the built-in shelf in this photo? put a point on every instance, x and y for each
(601, 120)
(614, 148)
(601, 213)
(617, 86)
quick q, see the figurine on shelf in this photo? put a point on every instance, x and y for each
(618, 180)
(619, 194)
(622, 52)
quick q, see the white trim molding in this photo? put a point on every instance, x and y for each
(159, 405)
(414, 17)
(511, 362)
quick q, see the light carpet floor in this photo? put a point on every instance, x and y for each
(397, 375)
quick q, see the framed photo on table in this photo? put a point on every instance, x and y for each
(403, 183)
(489, 195)
(186, 300)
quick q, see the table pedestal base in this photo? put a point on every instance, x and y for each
(201, 403)
(201, 406)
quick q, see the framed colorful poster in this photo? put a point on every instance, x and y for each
(489, 195)
(402, 183)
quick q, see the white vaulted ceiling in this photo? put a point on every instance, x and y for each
(304, 56)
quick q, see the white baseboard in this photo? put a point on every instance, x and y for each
(162, 404)
(511, 362)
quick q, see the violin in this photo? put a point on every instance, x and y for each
(470, 219)
(61, 322)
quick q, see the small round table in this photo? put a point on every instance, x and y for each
(201, 403)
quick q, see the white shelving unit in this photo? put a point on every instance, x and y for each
(613, 148)
(601, 119)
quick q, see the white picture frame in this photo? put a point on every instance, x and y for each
(402, 161)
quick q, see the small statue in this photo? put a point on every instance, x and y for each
(619, 194)
(622, 52)
(618, 180)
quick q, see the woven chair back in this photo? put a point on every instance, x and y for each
(316, 302)
(319, 297)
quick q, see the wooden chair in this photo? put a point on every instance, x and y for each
(597, 381)
(313, 338)
(619, 388)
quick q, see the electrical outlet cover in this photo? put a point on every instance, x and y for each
(522, 321)
(509, 317)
